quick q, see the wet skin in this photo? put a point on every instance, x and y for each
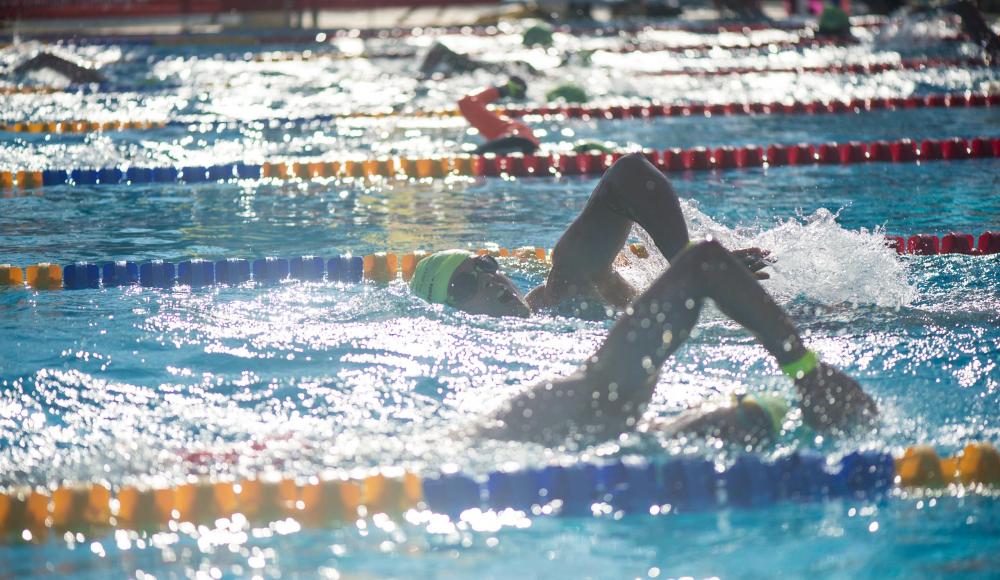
(495, 294)
(631, 192)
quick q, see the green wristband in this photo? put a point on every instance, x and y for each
(801, 367)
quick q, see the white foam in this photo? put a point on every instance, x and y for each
(814, 257)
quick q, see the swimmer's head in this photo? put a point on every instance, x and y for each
(538, 35)
(467, 282)
(776, 408)
(568, 92)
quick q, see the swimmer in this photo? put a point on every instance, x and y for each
(902, 30)
(503, 135)
(976, 27)
(744, 10)
(610, 392)
(75, 73)
(441, 61)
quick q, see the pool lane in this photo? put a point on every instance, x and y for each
(177, 146)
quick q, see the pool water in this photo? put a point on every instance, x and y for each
(123, 385)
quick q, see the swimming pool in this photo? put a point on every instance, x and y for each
(127, 385)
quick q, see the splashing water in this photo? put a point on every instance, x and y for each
(814, 257)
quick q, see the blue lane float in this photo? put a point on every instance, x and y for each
(198, 273)
(110, 175)
(749, 483)
(84, 176)
(517, 490)
(119, 274)
(306, 268)
(233, 272)
(248, 171)
(685, 484)
(157, 274)
(194, 174)
(165, 174)
(220, 172)
(270, 270)
(451, 494)
(54, 176)
(345, 269)
(81, 275)
(139, 175)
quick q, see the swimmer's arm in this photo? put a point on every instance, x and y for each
(741, 424)
(631, 192)
(834, 402)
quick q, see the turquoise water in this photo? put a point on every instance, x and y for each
(121, 385)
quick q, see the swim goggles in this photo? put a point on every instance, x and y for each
(464, 285)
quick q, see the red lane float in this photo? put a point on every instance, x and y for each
(730, 157)
(802, 41)
(655, 109)
(951, 243)
(574, 111)
(853, 68)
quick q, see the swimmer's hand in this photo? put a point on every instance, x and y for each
(756, 259)
(833, 401)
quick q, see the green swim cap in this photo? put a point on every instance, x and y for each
(834, 21)
(568, 92)
(538, 35)
(775, 407)
(433, 273)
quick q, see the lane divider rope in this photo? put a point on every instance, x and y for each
(863, 21)
(634, 110)
(951, 243)
(677, 485)
(852, 68)
(518, 165)
(749, 44)
(837, 68)
(381, 267)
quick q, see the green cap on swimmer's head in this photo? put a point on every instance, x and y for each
(568, 92)
(539, 35)
(775, 407)
(433, 273)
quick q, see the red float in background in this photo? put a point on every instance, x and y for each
(490, 165)
(749, 156)
(930, 149)
(923, 245)
(567, 164)
(828, 153)
(880, 151)
(981, 148)
(801, 154)
(956, 148)
(538, 165)
(957, 244)
(673, 159)
(696, 159)
(935, 101)
(853, 152)
(902, 151)
(777, 155)
(897, 243)
(989, 243)
(725, 157)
